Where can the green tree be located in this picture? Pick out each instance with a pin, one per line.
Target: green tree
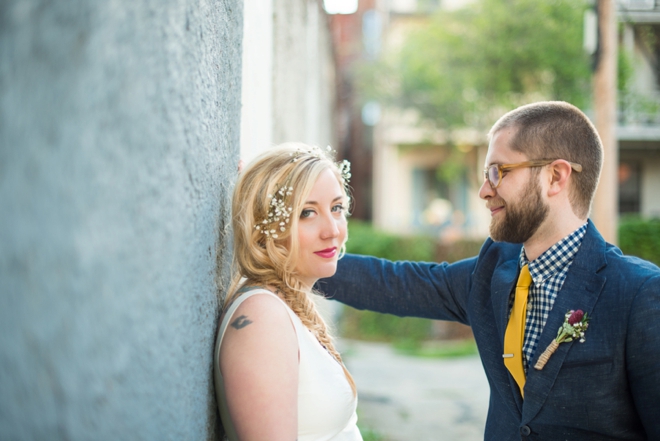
(465, 67)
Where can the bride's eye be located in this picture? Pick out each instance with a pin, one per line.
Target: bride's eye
(306, 213)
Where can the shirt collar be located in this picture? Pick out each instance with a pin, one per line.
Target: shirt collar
(555, 258)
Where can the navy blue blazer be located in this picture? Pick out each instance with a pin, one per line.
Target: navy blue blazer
(606, 388)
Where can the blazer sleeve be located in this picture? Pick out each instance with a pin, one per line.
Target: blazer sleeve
(643, 355)
(415, 289)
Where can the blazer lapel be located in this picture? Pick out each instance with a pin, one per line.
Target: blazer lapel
(580, 291)
(503, 282)
(504, 279)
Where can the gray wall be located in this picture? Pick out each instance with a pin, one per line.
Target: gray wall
(119, 136)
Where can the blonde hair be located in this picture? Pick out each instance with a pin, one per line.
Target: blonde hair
(265, 260)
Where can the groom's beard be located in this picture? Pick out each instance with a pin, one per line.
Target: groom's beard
(522, 218)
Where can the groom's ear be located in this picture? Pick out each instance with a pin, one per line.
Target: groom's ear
(560, 172)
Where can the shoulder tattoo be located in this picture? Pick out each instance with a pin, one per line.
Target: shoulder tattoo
(241, 322)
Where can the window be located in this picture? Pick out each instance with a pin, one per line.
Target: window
(629, 186)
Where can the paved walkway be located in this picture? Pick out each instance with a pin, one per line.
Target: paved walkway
(409, 398)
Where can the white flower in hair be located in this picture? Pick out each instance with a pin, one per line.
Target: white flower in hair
(345, 170)
(279, 212)
(316, 152)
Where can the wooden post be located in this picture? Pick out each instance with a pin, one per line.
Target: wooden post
(605, 209)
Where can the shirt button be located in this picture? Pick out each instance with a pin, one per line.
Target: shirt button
(525, 431)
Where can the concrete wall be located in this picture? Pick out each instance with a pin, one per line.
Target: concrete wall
(119, 135)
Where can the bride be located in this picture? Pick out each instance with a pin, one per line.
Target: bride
(278, 375)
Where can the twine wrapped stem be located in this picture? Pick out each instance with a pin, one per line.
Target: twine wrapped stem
(545, 356)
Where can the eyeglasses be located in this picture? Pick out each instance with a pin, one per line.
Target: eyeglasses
(495, 172)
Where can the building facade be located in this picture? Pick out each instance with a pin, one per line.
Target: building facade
(638, 129)
(288, 90)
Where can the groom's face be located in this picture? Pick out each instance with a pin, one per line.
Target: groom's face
(516, 205)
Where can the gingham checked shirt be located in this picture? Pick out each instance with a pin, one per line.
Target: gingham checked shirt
(548, 273)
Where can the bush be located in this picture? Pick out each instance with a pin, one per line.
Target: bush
(445, 349)
(640, 237)
(364, 239)
(373, 326)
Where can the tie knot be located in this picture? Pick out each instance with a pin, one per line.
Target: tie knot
(525, 278)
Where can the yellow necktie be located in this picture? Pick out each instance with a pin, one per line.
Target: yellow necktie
(514, 336)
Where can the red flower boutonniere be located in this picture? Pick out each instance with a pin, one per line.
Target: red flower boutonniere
(574, 326)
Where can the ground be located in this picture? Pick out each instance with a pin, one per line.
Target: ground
(403, 398)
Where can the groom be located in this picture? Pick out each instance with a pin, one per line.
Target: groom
(544, 258)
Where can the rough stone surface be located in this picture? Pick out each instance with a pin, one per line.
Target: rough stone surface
(119, 135)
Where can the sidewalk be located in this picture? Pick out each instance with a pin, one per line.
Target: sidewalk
(409, 398)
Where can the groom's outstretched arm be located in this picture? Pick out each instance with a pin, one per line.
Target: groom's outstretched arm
(418, 289)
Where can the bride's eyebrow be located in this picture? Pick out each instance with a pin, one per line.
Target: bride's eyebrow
(338, 198)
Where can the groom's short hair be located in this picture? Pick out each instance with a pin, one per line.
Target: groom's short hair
(558, 130)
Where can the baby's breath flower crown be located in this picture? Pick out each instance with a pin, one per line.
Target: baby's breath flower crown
(279, 213)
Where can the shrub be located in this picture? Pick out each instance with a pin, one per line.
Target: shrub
(373, 326)
(364, 239)
(640, 237)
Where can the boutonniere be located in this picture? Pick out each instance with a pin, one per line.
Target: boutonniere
(574, 326)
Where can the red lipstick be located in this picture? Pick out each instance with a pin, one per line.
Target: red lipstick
(327, 253)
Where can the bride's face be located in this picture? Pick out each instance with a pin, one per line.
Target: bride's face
(321, 229)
